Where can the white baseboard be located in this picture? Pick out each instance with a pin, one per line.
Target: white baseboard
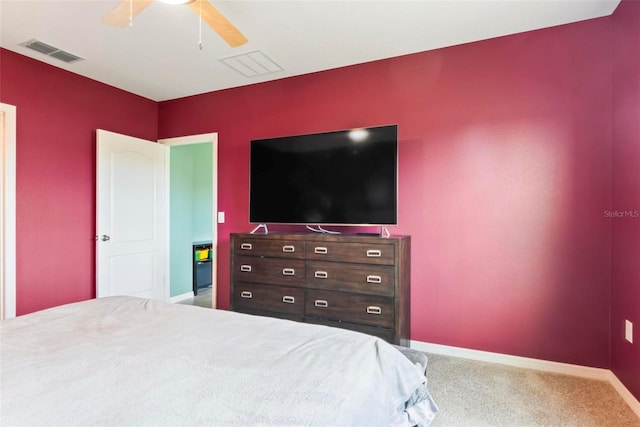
(517, 361)
(624, 393)
(182, 297)
(536, 364)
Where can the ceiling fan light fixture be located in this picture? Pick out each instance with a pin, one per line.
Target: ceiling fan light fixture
(175, 2)
(126, 10)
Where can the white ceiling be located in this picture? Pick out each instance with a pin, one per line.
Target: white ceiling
(158, 57)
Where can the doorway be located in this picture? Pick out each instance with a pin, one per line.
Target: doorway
(193, 195)
(7, 211)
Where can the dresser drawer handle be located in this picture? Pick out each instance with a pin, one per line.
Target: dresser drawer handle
(321, 303)
(245, 268)
(320, 274)
(374, 279)
(374, 253)
(288, 299)
(288, 248)
(246, 294)
(246, 246)
(288, 272)
(372, 309)
(320, 250)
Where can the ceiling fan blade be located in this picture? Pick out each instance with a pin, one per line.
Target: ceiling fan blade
(218, 22)
(123, 13)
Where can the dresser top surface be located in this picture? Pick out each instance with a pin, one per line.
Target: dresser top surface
(354, 238)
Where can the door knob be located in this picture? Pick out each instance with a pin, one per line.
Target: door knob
(104, 238)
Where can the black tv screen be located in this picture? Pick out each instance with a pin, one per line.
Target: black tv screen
(346, 177)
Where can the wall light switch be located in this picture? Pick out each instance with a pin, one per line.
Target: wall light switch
(220, 217)
(628, 331)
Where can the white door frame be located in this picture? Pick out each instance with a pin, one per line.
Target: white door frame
(8, 210)
(198, 139)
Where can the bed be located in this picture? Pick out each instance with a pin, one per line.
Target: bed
(125, 361)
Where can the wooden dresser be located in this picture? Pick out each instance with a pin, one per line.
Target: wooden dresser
(354, 282)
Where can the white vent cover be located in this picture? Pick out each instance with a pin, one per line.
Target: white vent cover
(49, 50)
(252, 64)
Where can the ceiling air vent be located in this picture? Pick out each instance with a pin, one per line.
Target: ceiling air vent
(252, 64)
(49, 50)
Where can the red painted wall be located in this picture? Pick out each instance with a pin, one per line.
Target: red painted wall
(58, 113)
(505, 171)
(625, 296)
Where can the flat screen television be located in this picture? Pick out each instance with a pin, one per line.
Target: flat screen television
(345, 177)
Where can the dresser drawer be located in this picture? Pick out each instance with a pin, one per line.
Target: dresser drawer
(278, 248)
(360, 278)
(384, 333)
(281, 299)
(364, 253)
(263, 313)
(276, 271)
(354, 308)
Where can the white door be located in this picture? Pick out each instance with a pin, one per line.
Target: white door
(131, 217)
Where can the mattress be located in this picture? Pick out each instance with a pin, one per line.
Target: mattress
(418, 358)
(135, 362)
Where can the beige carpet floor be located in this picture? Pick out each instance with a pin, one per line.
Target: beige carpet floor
(472, 393)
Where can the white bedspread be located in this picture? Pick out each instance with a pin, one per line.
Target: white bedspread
(122, 361)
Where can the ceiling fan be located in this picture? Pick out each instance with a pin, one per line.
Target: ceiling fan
(126, 10)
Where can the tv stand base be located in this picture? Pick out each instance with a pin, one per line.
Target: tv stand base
(255, 230)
